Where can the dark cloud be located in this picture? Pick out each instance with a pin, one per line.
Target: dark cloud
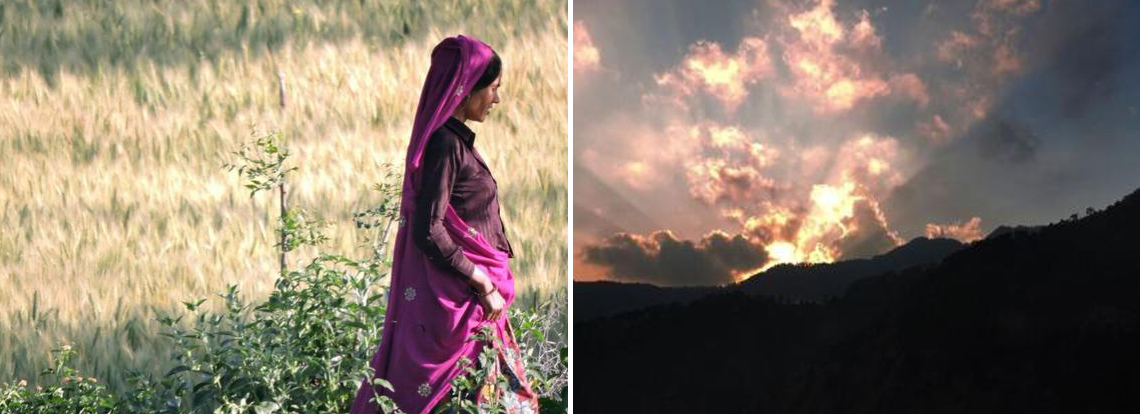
(1088, 66)
(1086, 46)
(1054, 140)
(868, 235)
(1006, 140)
(663, 259)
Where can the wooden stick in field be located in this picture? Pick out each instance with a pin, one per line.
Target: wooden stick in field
(281, 185)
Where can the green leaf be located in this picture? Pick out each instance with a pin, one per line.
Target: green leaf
(266, 407)
(177, 369)
(204, 396)
(383, 383)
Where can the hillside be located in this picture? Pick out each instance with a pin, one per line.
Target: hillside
(1043, 321)
(811, 282)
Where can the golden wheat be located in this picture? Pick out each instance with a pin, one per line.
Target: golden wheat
(114, 204)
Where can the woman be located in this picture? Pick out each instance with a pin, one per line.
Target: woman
(450, 275)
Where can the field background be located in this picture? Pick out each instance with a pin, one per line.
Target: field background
(117, 117)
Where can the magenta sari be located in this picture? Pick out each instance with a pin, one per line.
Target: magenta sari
(433, 315)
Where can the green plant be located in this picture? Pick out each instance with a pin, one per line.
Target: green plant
(262, 163)
(540, 332)
(304, 349)
(71, 393)
(467, 385)
(112, 178)
(536, 330)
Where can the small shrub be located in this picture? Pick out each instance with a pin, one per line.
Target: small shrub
(71, 393)
(307, 348)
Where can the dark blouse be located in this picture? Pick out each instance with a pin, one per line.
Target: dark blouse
(455, 174)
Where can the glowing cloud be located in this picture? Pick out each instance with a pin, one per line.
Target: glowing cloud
(802, 221)
(716, 181)
(965, 232)
(863, 34)
(658, 153)
(838, 218)
(727, 165)
(800, 158)
(832, 203)
(639, 174)
(1019, 7)
(724, 76)
(825, 222)
(840, 224)
(950, 49)
(871, 162)
(727, 137)
(936, 129)
(818, 26)
(832, 81)
(1005, 60)
(911, 86)
(586, 56)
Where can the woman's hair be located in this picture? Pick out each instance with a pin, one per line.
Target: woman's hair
(490, 74)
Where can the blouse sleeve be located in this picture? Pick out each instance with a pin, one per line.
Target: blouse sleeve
(442, 160)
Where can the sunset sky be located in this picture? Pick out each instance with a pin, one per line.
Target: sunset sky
(711, 142)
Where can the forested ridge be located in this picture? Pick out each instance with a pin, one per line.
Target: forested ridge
(1041, 320)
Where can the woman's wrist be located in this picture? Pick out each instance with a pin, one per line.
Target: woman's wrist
(481, 284)
(489, 292)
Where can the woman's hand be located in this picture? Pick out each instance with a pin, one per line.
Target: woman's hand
(493, 306)
(493, 303)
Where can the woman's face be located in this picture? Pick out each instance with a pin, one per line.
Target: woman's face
(479, 103)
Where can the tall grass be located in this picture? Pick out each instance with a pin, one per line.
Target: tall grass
(116, 117)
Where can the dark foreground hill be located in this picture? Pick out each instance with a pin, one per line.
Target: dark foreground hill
(597, 299)
(1041, 321)
(811, 282)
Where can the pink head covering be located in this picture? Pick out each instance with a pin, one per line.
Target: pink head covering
(456, 64)
(432, 314)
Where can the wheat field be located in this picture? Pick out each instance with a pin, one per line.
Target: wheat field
(116, 119)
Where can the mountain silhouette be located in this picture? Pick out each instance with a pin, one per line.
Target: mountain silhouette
(823, 280)
(1003, 230)
(604, 298)
(1023, 321)
(812, 282)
